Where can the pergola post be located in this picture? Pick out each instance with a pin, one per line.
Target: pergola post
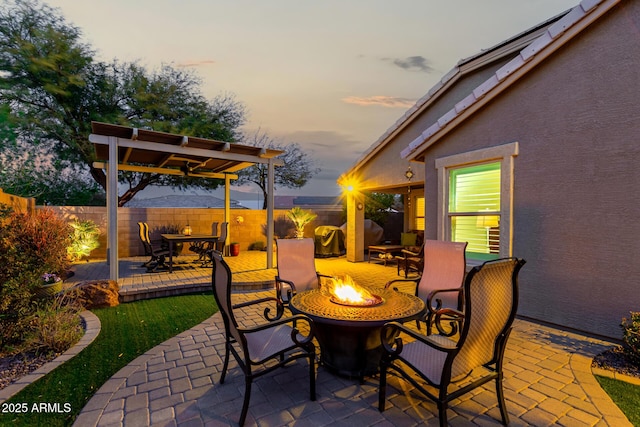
(112, 208)
(147, 151)
(227, 212)
(355, 226)
(270, 203)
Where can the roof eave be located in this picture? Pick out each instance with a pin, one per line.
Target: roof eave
(556, 36)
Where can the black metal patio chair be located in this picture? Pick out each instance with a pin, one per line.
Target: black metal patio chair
(156, 254)
(277, 340)
(491, 301)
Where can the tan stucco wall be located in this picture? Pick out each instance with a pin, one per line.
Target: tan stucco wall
(19, 204)
(386, 168)
(576, 208)
(246, 232)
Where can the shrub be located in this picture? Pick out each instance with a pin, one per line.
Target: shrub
(282, 228)
(84, 240)
(300, 218)
(16, 305)
(34, 242)
(631, 337)
(30, 246)
(55, 325)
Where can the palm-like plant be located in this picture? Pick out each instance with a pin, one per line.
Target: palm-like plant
(300, 218)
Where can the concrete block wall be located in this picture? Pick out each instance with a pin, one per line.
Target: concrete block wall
(245, 225)
(19, 204)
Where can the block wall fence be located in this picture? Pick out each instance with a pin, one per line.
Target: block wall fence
(19, 204)
(245, 225)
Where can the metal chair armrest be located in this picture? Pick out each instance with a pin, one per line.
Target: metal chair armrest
(282, 321)
(409, 253)
(395, 329)
(434, 293)
(267, 310)
(391, 282)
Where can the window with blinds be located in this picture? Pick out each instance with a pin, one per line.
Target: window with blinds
(418, 213)
(474, 207)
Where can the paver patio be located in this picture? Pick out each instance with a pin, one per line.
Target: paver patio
(548, 378)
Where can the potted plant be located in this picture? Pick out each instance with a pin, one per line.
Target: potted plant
(300, 218)
(51, 285)
(234, 249)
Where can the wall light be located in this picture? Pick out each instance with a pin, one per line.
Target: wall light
(409, 173)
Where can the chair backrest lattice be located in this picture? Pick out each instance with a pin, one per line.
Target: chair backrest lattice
(444, 268)
(491, 302)
(296, 262)
(222, 293)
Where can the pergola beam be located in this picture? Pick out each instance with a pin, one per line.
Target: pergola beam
(176, 149)
(164, 171)
(173, 149)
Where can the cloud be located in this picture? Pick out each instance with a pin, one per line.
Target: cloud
(381, 100)
(412, 63)
(196, 63)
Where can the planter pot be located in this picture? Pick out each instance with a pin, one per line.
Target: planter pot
(234, 249)
(49, 290)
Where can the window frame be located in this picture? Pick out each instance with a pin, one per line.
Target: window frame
(418, 213)
(505, 154)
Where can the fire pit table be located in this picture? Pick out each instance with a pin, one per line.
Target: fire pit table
(349, 336)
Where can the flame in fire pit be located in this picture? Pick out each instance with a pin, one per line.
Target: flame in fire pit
(343, 290)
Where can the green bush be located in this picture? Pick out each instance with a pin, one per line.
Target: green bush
(84, 239)
(30, 246)
(631, 337)
(35, 242)
(55, 325)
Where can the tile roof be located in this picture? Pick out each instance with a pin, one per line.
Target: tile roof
(556, 35)
(531, 42)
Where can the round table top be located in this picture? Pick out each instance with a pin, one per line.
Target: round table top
(396, 306)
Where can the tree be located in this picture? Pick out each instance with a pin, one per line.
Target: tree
(297, 170)
(376, 206)
(55, 88)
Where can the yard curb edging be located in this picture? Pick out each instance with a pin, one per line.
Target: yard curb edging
(615, 375)
(95, 407)
(581, 367)
(92, 326)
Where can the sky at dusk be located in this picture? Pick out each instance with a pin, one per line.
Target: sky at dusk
(331, 75)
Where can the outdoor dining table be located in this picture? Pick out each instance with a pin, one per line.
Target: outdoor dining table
(349, 336)
(172, 239)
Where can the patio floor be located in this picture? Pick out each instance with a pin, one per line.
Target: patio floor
(548, 378)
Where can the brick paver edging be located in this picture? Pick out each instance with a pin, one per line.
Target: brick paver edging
(91, 325)
(95, 408)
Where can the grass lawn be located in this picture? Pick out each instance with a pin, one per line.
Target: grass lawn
(128, 331)
(626, 396)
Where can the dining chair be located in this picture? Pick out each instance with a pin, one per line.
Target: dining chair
(410, 261)
(440, 284)
(218, 245)
(475, 358)
(157, 255)
(263, 347)
(222, 238)
(296, 268)
(201, 248)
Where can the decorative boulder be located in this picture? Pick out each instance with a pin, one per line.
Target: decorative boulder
(96, 294)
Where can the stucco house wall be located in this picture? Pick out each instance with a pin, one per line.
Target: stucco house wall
(575, 118)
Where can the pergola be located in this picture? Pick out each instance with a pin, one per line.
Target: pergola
(139, 150)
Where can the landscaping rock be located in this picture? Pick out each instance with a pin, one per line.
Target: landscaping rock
(96, 294)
